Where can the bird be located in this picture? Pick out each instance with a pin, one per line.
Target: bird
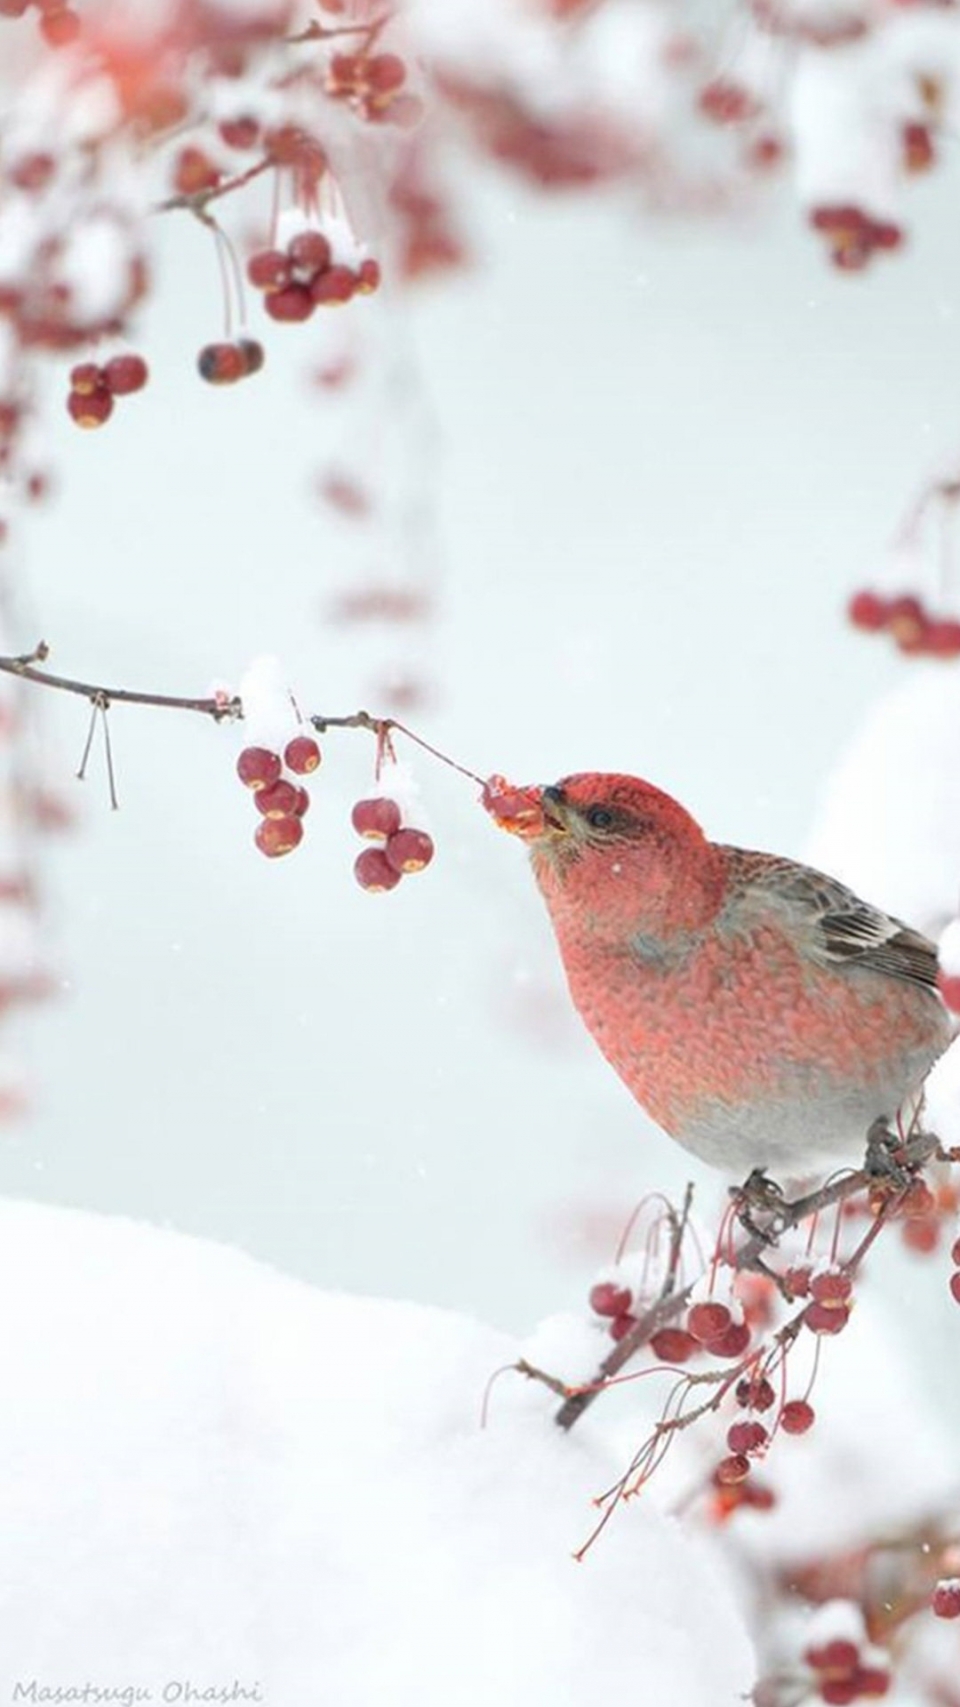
(763, 1015)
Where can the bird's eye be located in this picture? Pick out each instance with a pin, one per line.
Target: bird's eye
(599, 818)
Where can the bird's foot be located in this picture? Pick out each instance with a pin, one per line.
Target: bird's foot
(881, 1161)
(759, 1195)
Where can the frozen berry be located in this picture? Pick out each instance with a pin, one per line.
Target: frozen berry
(376, 819)
(124, 374)
(258, 767)
(277, 836)
(409, 850)
(301, 755)
(221, 364)
(90, 409)
(797, 1416)
(707, 1321)
(609, 1299)
(373, 870)
(278, 800)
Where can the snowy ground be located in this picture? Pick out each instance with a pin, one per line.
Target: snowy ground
(218, 1479)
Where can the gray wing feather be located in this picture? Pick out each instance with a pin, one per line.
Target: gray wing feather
(845, 928)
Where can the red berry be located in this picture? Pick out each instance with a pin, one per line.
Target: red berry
(955, 1252)
(707, 1321)
(918, 153)
(921, 1234)
(124, 374)
(278, 800)
(797, 1281)
(221, 364)
(194, 171)
(839, 1691)
(732, 1470)
(727, 102)
(252, 353)
(609, 1299)
(277, 836)
(269, 269)
(90, 409)
(746, 1437)
(291, 303)
(871, 1682)
(955, 1286)
(368, 277)
(336, 284)
(945, 1599)
(620, 1326)
(797, 1416)
(301, 755)
(943, 639)
(868, 610)
(240, 132)
(755, 1393)
(385, 71)
(309, 251)
(840, 1655)
(301, 805)
(906, 620)
(732, 1342)
(832, 1287)
(826, 1318)
(673, 1345)
(59, 28)
(258, 767)
(376, 819)
(86, 377)
(373, 870)
(949, 987)
(409, 850)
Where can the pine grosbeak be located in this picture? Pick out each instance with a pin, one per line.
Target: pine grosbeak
(758, 1010)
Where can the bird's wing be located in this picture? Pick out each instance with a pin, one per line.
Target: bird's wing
(843, 928)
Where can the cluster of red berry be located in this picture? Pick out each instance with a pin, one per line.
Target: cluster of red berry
(830, 1291)
(59, 25)
(710, 1326)
(226, 362)
(304, 276)
(280, 801)
(93, 388)
(402, 848)
(733, 1479)
(373, 85)
(945, 1599)
(854, 237)
(844, 1673)
(910, 626)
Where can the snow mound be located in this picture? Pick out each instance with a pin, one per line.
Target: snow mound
(222, 1485)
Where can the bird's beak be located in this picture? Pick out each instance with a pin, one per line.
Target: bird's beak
(532, 813)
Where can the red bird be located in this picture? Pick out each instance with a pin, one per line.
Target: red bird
(759, 1011)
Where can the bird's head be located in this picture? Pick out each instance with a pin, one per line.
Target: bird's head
(612, 852)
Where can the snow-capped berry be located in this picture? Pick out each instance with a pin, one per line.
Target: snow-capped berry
(277, 836)
(90, 409)
(945, 1600)
(826, 1318)
(309, 250)
(409, 850)
(376, 819)
(124, 374)
(707, 1321)
(258, 767)
(279, 800)
(373, 870)
(609, 1299)
(301, 755)
(797, 1416)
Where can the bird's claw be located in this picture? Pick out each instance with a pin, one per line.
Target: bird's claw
(758, 1195)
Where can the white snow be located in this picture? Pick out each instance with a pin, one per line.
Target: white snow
(219, 1478)
(942, 1097)
(269, 717)
(948, 949)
